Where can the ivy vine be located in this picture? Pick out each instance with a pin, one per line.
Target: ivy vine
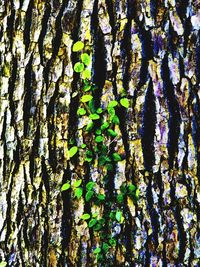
(99, 130)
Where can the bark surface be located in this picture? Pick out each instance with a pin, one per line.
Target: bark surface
(148, 51)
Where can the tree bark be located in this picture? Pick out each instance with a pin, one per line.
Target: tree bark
(147, 51)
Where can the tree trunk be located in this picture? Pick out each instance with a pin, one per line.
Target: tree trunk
(147, 51)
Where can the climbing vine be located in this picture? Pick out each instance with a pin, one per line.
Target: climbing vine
(100, 127)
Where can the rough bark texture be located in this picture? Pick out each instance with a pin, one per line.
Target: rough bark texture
(146, 50)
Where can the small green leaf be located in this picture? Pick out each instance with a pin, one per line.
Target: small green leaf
(111, 111)
(116, 157)
(90, 126)
(73, 150)
(99, 110)
(94, 116)
(98, 131)
(104, 126)
(101, 197)
(115, 119)
(85, 59)
(105, 247)
(131, 188)
(112, 104)
(85, 216)
(78, 67)
(86, 74)
(103, 160)
(99, 139)
(78, 46)
(3, 264)
(118, 216)
(123, 189)
(124, 102)
(102, 221)
(97, 250)
(109, 167)
(81, 111)
(120, 198)
(90, 185)
(65, 187)
(111, 133)
(97, 227)
(112, 215)
(112, 242)
(77, 183)
(78, 192)
(88, 159)
(94, 215)
(83, 146)
(92, 222)
(89, 195)
(86, 98)
(86, 88)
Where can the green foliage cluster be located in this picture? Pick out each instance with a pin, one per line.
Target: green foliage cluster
(99, 131)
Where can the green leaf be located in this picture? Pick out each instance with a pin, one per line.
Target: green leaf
(105, 247)
(97, 227)
(90, 185)
(123, 189)
(98, 131)
(88, 159)
(109, 167)
(85, 59)
(81, 111)
(99, 139)
(112, 242)
(118, 216)
(86, 88)
(102, 221)
(85, 216)
(131, 188)
(86, 74)
(86, 98)
(99, 110)
(111, 133)
(3, 264)
(104, 126)
(91, 106)
(65, 186)
(94, 116)
(120, 198)
(73, 150)
(101, 197)
(112, 104)
(78, 67)
(92, 222)
(97, 250)
(115, 119)
(94, 215)
(112, 215)
(78, 46)
(83, 146)
(124, 102)
(89, 195)
(90, 126)
(116, 157)
(111, 111)
(77, 183)
(78, 192)
(103, 159)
